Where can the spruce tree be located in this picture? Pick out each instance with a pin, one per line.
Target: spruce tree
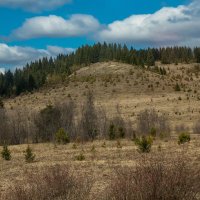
(150, 58)
(177, 88)
(112, 133)
(6, 154)
(29, 156)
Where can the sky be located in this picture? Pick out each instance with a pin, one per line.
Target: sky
(32, 29)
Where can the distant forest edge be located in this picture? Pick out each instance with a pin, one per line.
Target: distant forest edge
(35, 75)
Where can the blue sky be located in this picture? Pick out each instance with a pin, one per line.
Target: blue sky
(31, 29)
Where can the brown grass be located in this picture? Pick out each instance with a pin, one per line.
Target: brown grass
(102, 158)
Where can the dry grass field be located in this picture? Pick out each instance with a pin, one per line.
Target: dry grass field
(101, 160)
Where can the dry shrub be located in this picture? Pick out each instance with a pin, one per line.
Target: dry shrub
(3, 127)
(89, 119)
(53, 183)
(181, 128)
(196, 127)
(155, 178)
(149, 119)
(122, 127)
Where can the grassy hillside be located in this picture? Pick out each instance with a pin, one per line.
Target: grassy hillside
(131, 88)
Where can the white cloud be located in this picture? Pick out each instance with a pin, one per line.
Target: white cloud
(168, 26)
(34, 5)
(55, 50)
(16, 56)
(2, 70)
(55, 26)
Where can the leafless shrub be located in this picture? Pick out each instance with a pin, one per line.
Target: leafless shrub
(67, 111)
(52, 118)
(18, 125)
(149, 119)
(89, 119)
(196, 127)
(52, 183)
(47, 121)
(122, 125)
(181, 128)
(156, 177)
(103, 123)
(4, 136)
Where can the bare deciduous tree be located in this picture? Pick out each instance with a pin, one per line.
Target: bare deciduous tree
(149, 119)
(196, 127)
(4, 132)
(89, 118)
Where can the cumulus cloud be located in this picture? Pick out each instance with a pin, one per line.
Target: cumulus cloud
(34, 5)
(55, 26)
(167, 26)
(17, 56)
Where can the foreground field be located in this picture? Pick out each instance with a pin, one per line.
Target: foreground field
(101, 159)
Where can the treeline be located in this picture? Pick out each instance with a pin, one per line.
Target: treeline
(35, 74)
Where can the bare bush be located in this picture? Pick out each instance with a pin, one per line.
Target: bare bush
(181, 128)
(103, 123)
(89, 119)
(4, 131)
(67, 118)
(156, 177)
(18, 125)
(52, 183)
(149, 119)
(118, 127)
(196, 127)
(47, 121)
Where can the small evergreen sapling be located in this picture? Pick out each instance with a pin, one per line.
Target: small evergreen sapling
(144, 144)
(177, 88)
(80, 157)
(29, 156)
(121, 132)
(6, 154)
(183, 138)
(112, 133)
(62, 137)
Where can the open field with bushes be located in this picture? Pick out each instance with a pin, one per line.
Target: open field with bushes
(108, 131)
(99, 164)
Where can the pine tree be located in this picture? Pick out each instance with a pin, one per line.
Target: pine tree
(112, 133)
(177, 88)
(29, 156)
(6, 154)
(150, 58)
(62, 136)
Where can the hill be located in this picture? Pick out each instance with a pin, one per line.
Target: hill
(129, 87)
